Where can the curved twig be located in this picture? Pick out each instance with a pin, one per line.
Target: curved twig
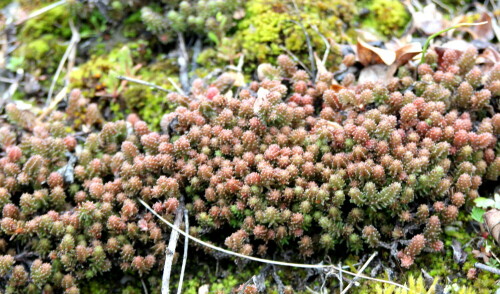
(75, 38)
(184, 258)
(266, 261)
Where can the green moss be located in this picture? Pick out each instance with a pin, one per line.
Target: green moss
(43, 41)
(388, 17)
(268, 26)
(53, 22)
(97, 78)
(4, 3)
(41, 55)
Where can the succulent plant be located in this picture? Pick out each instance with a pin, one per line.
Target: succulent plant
(286, 161)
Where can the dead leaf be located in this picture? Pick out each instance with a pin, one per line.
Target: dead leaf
(429, 20)
(492, 220)
(459, 45)
(484, 31)
(373, 73)
(319, 65)
(239, 79)
(407, 52)
(488, 59)
(459, 255)
(204, 289)
(261, 96)
(368, 54)
(336, 87)
(239, 14)
(481, 254)
(368, 36)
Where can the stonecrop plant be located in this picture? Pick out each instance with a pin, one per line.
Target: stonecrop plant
(211, 17)
(286, 164)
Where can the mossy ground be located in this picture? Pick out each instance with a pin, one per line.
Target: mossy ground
(260, 36)
(224, 276)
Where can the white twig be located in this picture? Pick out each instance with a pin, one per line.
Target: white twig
(41, 11)
(7, 80)
(144, 286)
(176, 86)
(169, 255)
(141, 82)
(359, 272)
(341, 282)
(183, 61)
(184, 258)
(296, 59)
(488, 268)
(261, 260)
(59, 97)
(327, 44)
(75, 38)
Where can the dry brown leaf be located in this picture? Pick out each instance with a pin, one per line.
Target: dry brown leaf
(460, 45)
(261, 95)
(368, 54)
(319, 65)
(367, 35)
(492, 220)
(373, 73)
(484, 31)
(429, 20)
(336, 88)
(407, 52)
(489, 55)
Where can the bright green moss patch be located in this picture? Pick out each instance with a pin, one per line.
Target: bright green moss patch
(271, 25)
(388, 17)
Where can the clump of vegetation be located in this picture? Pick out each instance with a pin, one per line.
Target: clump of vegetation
(44, 38)
(388, 17)
(99, 81)
(210, 18)
(285, 164)
(271, 26)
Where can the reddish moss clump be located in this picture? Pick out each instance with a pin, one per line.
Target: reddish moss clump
(286, 164)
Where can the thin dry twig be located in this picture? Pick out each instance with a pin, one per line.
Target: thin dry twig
(141, 82)
(359, 272)
(341, 282)
(41, 11)
(184, 258)
(281, 286)
(59, 97)
(183, 61)
(309, 47)
(308, 39)
(75, 38)
(5, 97)
(266, 261)
(177, 88)
(7, 80)
(296, 59)
(327, 44)
(144, 286)
(169, 256)
(488, 268)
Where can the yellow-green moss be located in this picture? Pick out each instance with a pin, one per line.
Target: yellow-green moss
(43, 41)
(388, 17)
(97, 79)
(53, 22)
(268, 26)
